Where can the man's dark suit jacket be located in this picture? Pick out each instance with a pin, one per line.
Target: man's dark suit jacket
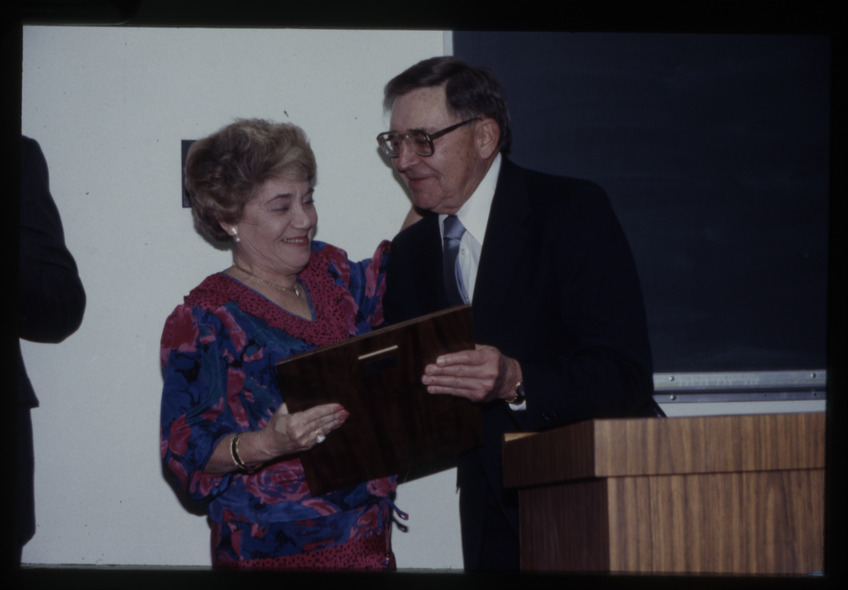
(556, 289)
(52, 304)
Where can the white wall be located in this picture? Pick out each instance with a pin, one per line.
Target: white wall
(109, 107)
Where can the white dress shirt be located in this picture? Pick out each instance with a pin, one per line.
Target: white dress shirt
(474, 215)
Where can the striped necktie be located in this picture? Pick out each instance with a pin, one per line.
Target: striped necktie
(453, 280)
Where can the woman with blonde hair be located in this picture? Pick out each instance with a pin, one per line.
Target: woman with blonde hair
(226, 433)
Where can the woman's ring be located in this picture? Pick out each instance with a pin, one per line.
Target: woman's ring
(320, 438)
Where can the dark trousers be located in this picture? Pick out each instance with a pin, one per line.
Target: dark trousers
(24, 495)
(489, 539)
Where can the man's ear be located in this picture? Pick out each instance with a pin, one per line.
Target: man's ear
(488, 136)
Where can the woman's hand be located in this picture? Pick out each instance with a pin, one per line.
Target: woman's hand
(284, 434)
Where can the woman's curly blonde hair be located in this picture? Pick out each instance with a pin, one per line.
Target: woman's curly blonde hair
(224, 170)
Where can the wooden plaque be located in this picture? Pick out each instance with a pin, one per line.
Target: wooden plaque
(395, 427)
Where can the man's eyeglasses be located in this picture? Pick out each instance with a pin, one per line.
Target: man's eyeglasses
(418, 140)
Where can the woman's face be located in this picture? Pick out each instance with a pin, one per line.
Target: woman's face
(276, 230)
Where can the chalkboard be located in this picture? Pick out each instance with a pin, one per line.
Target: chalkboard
(714, 150)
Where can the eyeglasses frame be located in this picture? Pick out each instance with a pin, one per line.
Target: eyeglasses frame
(382, 138)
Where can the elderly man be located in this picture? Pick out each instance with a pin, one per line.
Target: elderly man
(558, 314)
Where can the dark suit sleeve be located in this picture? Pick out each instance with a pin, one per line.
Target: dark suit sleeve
(414, 273)
(52, 298)
(591, 356)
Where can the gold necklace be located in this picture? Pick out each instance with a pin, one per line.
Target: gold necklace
(296, 289)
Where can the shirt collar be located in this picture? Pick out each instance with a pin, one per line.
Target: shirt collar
(474, 213)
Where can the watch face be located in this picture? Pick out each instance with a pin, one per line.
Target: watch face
(519, 394)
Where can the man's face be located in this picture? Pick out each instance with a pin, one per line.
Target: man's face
(444, 181)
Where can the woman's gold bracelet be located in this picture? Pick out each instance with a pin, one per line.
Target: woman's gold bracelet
(235, 454)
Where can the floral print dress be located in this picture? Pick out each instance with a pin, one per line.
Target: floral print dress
(218, 353)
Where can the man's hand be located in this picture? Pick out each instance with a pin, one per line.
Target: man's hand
(480, 375)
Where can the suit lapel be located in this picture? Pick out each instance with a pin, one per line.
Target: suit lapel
(507, 244)
(428, 271)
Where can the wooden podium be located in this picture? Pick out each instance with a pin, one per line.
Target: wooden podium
(712, 494)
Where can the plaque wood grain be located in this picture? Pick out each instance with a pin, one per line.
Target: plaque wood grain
(395, 427)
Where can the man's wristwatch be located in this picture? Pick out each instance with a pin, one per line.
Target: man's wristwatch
(518, 398)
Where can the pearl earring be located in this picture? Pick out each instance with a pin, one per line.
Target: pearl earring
(235, 235)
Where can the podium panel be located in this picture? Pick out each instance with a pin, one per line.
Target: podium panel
(714, 494)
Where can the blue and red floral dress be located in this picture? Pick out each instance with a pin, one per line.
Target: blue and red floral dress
(218, 352)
